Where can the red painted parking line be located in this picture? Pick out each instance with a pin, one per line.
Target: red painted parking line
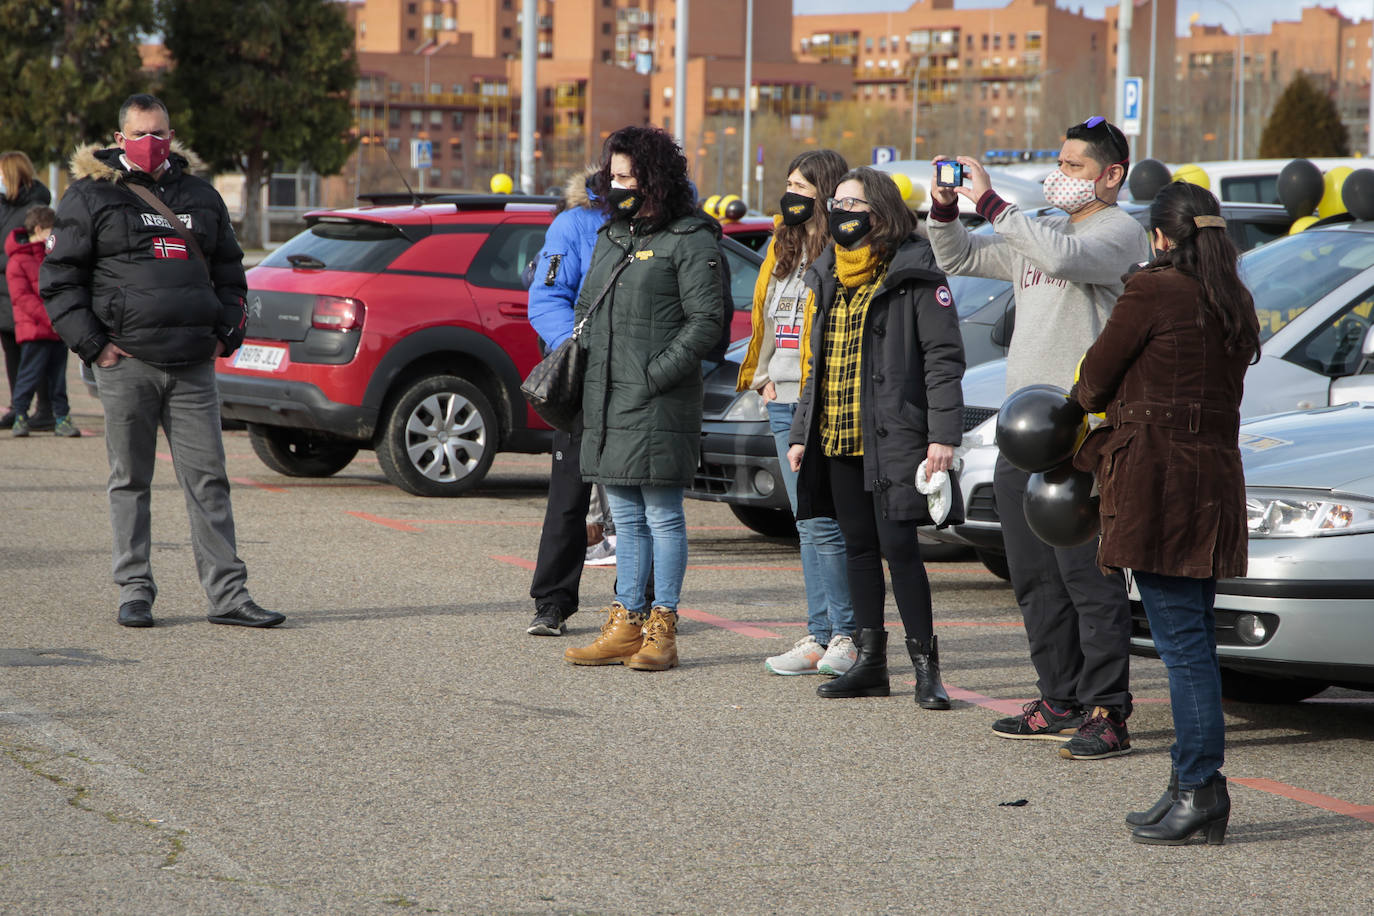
(733, 626)
(384, 522)
(516, 561)
(414, 524)
(246, 482)
(1005, 707)
(1315, 799)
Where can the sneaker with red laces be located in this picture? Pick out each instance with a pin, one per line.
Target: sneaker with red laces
(1039, 720)
(1103, 735)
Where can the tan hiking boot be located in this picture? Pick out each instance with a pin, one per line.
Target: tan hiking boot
(621, 637)
(660, 643)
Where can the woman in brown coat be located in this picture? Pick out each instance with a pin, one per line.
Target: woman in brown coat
(1168, 370)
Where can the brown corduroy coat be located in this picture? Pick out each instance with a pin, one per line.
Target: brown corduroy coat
(1167, 462)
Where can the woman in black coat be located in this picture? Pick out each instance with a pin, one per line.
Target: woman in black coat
(882, 395)
(20, 191)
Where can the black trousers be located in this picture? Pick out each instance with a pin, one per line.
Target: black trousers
(868, 537)
(10, 346)
(1078, 621)
(563, 542)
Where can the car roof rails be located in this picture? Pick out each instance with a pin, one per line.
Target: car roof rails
(461, 201)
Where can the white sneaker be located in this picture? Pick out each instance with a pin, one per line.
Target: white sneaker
(800, 659)
(602, 553)
(839, 656)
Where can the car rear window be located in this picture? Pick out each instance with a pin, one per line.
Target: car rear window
(356, 245)
(1287, 276)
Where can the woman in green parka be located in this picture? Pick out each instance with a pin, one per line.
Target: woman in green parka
(653, 309)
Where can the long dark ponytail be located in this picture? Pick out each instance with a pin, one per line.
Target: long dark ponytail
(1207, 254)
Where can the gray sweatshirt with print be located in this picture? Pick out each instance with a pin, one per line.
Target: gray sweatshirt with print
(1067, 277)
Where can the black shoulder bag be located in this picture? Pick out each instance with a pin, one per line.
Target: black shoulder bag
(554, 387)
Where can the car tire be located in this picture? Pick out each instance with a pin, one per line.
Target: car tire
(439, 437)
(296, 453)
(995, 563)
(1246, 687)
(773, 523)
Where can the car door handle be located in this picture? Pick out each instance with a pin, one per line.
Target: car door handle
(513, 309)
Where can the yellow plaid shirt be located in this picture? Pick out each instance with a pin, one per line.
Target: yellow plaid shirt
(842, 431)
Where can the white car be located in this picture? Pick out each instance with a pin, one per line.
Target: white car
(1314, 293)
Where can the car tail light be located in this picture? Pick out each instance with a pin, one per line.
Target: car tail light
(337, 313)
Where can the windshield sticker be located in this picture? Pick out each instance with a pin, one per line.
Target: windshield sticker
(1255, 443)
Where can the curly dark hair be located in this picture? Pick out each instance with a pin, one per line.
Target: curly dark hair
(796, 245)
(660, 170)
(892, 221)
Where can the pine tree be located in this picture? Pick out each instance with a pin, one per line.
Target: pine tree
(1304, 123)
(259, 83)
(69, 64)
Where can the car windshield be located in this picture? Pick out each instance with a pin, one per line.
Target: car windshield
(972, 293)
(1290, 274)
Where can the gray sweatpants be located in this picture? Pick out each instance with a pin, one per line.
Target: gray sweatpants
(184, 402)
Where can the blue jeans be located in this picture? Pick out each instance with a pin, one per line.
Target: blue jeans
(829, 609)
(650, 533)
(1183, 625)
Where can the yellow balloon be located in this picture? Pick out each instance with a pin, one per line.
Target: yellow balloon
(710, 205)
(1300, 224)
(722, 204)
(501, 183)
(1193, 174)
(903, 184)
(1331, 202)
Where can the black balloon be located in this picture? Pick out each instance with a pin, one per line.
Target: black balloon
(1038, 427)
(1061, 507)
(736, 210)
(1300, 188)
(1358, 193)
(1148, 178)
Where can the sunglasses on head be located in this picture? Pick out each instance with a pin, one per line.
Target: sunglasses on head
(1102, 126)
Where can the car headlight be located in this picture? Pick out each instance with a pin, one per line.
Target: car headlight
(984, 433)
(748, 407)
(1305, 514)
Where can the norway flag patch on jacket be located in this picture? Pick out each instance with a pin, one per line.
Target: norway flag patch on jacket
(170, 248)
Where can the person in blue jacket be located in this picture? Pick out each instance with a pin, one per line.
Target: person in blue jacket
(557, 279)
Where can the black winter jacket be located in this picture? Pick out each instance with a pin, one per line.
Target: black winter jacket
(12, 214)
(116, 272)
(913, 370)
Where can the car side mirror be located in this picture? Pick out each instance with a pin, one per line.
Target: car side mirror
(1002, 329)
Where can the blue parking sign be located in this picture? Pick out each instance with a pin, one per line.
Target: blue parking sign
(884, 154)
(1132, 88)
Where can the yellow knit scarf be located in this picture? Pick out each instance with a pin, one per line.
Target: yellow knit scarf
(857, 267)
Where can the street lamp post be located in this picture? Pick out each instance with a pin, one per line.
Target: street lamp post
(915, 102)
(1238, 141)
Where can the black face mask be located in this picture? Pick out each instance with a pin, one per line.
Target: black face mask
(848, 228)
(796, 208)
(625, 202)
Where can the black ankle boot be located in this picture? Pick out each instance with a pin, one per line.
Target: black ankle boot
(1205, 808)
(868, 675)
(925, 658)
(1160, 808)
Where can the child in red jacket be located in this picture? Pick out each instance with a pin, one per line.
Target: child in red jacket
(42, 355)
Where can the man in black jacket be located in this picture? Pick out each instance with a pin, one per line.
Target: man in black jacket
(132, 295)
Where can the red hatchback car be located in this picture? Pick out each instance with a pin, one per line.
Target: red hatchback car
(402, 329)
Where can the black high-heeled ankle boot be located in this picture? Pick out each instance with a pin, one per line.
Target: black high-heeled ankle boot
(925, 658)
(868, 675)
(1204, 808)
(1160, 808)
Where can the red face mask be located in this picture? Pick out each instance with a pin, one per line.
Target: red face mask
(148, 153)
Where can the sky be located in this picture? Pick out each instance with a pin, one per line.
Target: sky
(1258, 13)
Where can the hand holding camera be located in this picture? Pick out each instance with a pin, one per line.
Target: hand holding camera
(959, 175)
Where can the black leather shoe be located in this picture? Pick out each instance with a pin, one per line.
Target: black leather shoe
(925, 658)
(1160, 808)
(249, 615)
(137, 613)
(1206, 809)
(867, 677)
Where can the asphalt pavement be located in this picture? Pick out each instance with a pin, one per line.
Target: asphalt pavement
(400, 744)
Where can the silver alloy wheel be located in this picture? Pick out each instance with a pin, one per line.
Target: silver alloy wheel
(445, 437)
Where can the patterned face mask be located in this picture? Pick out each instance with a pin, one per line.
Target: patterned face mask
(1069, 194)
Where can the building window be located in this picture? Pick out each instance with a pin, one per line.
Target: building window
(410, 8)
(997, 41)
(1032, 41)
(868, 44)
(436, 118)
(416, 118)
(436, 88)
(410, 34)
(605, 28)
(882, 44)
(457, 120)
(414, 88)
(969, 43)
(985, 41)
(1011, 41)
(394, 118)
(505, 33)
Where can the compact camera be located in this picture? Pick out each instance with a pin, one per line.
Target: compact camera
(948, 173)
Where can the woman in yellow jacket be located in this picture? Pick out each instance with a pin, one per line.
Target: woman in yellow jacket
(774, 366)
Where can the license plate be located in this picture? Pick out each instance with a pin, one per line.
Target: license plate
(261, 359)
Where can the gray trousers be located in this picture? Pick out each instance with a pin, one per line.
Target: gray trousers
(1078, 621)
(184, 401)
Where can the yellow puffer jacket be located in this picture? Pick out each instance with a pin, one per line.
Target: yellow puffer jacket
(758, 319)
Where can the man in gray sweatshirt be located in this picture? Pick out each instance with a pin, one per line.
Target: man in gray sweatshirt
(1067, 270)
